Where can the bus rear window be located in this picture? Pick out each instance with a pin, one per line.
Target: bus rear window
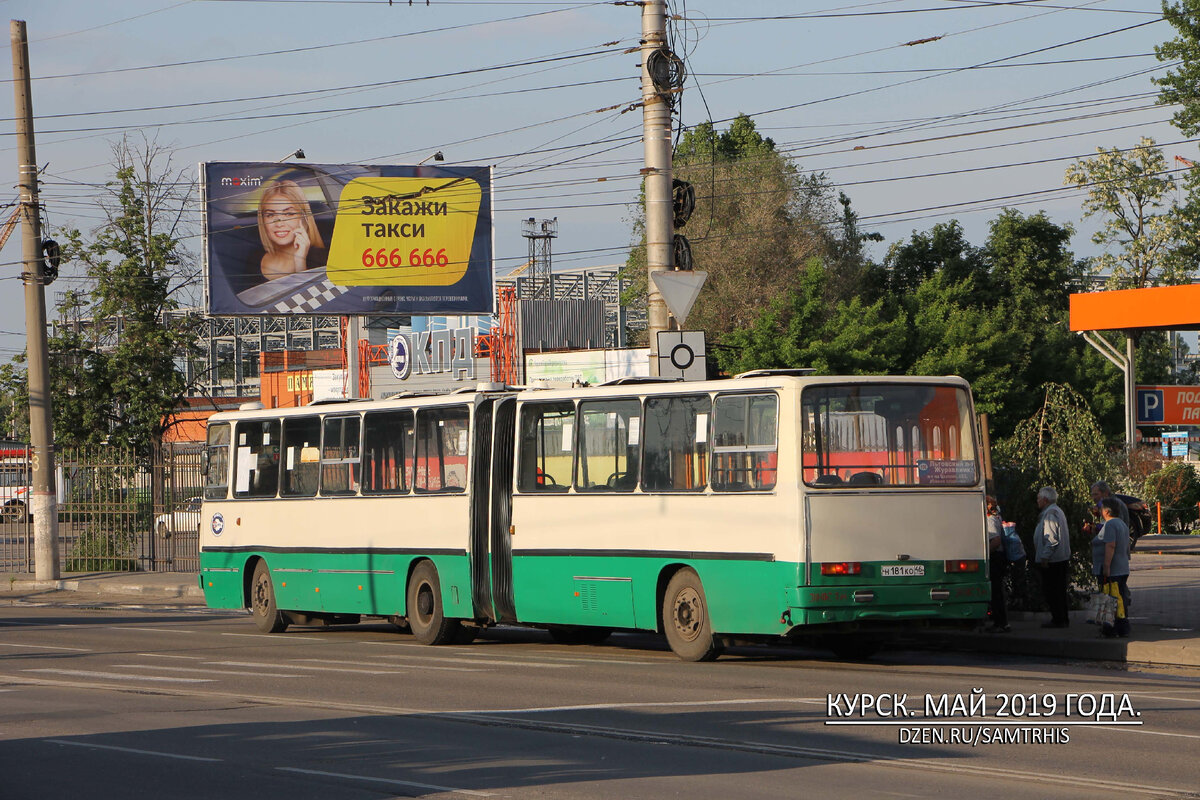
(888, 434)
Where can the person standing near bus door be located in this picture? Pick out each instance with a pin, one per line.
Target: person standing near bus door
(997, 568)
(1052, 541)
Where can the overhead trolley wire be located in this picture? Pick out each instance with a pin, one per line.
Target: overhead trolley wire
(304, 49)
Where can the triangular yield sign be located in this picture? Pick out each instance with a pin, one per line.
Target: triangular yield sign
(679, 289)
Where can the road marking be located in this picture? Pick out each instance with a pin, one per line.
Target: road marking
(820, 754)
(130, 750)
(290, 665)
(166, 655)
(421, 666)
(655, 704)
(205, 671)
(1152, 733)
(389, 781)
(46, 647)
(117, 675)
(1164, 697)
(568, 659)
(276, 636)
(500, 662)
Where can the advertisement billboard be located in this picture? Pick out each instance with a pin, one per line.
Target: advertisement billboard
(289, 238)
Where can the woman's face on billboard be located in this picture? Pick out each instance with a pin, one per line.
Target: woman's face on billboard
(282, 219)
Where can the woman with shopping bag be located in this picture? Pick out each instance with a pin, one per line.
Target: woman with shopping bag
(1110, 564)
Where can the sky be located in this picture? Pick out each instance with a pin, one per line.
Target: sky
(922, 111)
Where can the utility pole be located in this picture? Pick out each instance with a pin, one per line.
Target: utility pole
(656, 138)
(41, 437)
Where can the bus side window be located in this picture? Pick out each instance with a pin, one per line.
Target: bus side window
(609, 441)
(256, 459)
(676, 452)
(745, 449)
(339, 456)
(388, 452)
(216, 470)
(442, 443)
(302, 451)
(547, 443)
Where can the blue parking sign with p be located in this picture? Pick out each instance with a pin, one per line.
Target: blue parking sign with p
(1149, 405)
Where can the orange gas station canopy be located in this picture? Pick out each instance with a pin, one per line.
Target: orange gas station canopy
(1174, 308)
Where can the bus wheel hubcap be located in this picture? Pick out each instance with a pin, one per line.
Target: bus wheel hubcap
(688, 614)
(425, 601)
(260, 597)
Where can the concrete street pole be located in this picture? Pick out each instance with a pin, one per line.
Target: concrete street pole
(656, 137)
(41, 437)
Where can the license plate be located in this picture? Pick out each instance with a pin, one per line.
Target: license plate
(902, 570)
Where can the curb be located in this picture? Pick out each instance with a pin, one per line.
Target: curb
(1176, 653)
(188, 591)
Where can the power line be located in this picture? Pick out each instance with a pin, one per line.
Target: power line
(305, 49)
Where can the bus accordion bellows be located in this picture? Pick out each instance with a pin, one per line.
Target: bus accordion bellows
(770, 507)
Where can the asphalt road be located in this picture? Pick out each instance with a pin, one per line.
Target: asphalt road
(191, 703)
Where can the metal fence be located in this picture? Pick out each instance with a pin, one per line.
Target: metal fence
(117, 512)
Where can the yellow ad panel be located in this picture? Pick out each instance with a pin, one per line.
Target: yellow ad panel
(404, 231)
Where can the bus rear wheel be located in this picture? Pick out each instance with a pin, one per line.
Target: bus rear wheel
(267, 616)
(685, 618)
(426, 616)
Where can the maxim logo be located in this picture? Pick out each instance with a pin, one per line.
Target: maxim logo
(246, 181)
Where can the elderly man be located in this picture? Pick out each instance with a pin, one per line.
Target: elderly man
(1052, 542)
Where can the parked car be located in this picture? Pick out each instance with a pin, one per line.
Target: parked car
(184, 519)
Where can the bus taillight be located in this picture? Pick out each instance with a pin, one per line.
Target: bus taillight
(841, 568)
(968, 565)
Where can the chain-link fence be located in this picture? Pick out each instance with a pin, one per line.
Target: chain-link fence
(116, 512)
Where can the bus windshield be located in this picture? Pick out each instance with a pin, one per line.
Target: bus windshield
(888, 434)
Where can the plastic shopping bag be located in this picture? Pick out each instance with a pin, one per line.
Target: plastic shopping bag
(1103, 607)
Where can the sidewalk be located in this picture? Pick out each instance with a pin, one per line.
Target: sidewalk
(114, 587)
(1165, 613)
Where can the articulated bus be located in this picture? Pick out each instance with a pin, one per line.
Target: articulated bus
(769, 507)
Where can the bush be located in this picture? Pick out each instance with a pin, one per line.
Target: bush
(1177, 487)
(97, 550)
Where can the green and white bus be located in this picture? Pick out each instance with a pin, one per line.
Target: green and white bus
(771, 506)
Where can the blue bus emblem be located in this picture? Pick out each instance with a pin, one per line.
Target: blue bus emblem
(218, 524)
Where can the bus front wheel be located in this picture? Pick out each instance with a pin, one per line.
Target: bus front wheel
(426, 616)
(267, 615)
(685, 618)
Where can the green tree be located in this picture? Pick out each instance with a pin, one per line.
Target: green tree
(1141, 229)
(114, 360)
(801, 329)
(951, 334)
(1180, 87)
(1061, 446)
(758, 220)
(14, 400)
(943, 250)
